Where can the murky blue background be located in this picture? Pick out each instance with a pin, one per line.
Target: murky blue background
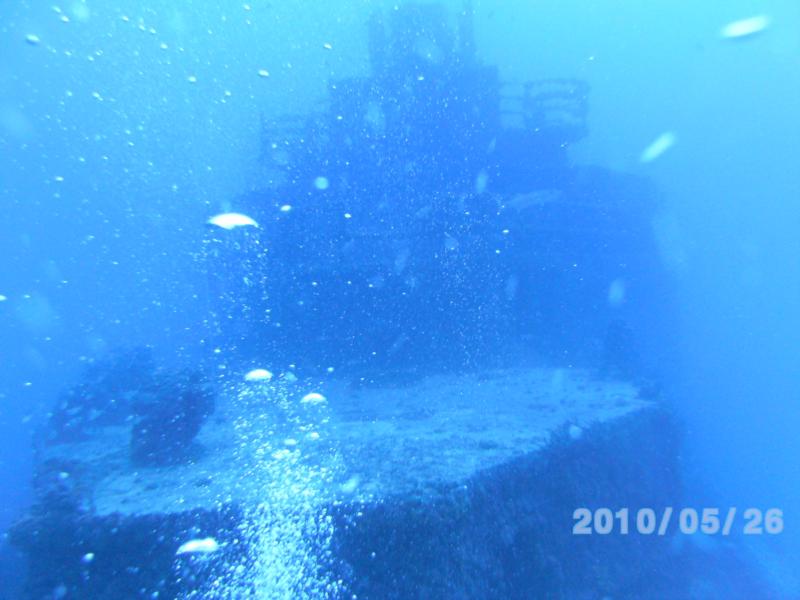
(130, 123)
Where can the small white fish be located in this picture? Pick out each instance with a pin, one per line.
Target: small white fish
(745, 27)
(258, 375)
(313, 398)
(231, 221)
(201, 546)
(3, 298)
(350, 486)
(32, 39)
(661, 144)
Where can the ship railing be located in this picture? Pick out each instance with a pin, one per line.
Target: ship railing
(546, 104)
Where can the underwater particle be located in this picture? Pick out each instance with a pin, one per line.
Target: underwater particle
(313, 398)
(231, 221)
(745, 27)
(290, 377)
(286, 208)
(63, 476)
(450, 243)
(80, 11)
(258, 375)
(163, 46)
(192, 79)
(616, 293)
(401, 261)
(575, 432)
(511, 288)
(313, 435)
(327, 46)
(263, 73)
(290, 442)
(660, 145)
(87, 558)
(3, 298)
(33, 39)
(376, 282)
(350, 486)
(321, 183)
(199, 546)
(481, 181)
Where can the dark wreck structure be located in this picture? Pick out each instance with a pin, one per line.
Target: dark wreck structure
(429, 216)
(428, 226)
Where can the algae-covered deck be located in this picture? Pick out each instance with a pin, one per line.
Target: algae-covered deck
(371, 442)
(459, 485)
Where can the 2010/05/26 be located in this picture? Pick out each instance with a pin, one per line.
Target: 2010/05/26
(708, 521)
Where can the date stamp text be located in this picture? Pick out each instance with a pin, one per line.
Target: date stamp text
(686, 521)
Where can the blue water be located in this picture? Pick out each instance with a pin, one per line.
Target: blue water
(125, 125)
